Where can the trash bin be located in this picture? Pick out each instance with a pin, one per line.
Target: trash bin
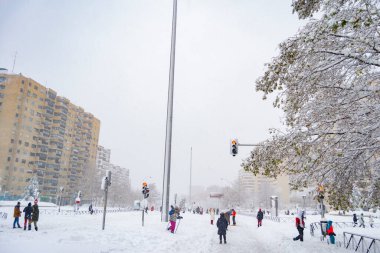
(323, 229)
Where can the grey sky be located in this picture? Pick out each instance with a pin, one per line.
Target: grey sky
(112, 58)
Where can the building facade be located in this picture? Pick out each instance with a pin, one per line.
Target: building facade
(45, 136)
(120, 180)
(257, 190)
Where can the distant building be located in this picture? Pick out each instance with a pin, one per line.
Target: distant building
(45, 136)
(120, 184)
(256, 190)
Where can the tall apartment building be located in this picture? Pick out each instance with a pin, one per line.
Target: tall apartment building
(258, 189)
(45, 136)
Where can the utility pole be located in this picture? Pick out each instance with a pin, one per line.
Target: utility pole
(106, 182)
(191, 165)
(169, 122)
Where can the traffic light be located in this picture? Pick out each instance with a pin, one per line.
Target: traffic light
(234, 147)
(145, 190)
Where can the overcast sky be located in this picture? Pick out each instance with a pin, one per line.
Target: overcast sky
(112, 58)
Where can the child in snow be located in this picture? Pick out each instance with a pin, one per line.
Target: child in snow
(173, 219)
(361, 220)
(355, 219)
(16, 215)
(330, 231)
(28, 216)
(260, 216)
(300, 224)
(212, 215)
(222, 225)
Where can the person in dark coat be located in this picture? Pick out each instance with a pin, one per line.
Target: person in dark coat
(260, 216)
(90, 209)
(35, 214)
(17, 215)
(28, 216)
(222, 225)
(355, 219)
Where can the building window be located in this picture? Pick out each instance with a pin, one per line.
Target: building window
(1, 95)
(16, 160)
(12, 140)
(16, 115)
(10, 150)
(23, 161)
(22, 81)
(26, 144)
(2, 86)
(9, 159)
(21, 90)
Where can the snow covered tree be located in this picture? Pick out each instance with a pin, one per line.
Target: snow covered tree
(327, 81)
(32, 190)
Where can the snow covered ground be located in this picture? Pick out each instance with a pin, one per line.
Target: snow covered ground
(124, 233)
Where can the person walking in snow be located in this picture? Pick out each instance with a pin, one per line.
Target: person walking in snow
(355, 219)
(35, 214)
(300, 224)
(28, 216)
(330, 232)
(227, 217)
(16, 215)
(371, 221)
(212, 215)
(260, 217)
(361, 221)
(222, 225)
(233, 213)
(172, 218)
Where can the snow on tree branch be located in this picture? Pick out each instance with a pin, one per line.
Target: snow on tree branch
(327, 81)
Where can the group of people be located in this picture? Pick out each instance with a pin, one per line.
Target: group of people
(31, 215)
(361, 220)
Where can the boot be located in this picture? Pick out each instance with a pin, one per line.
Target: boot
(36, 228)
(24, 227)
(225, 241)
(220, 242)
(29, 227)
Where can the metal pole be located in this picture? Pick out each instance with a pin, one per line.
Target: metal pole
(169, 121)
(105, 203)
(143, 217)
(191, 165)
(60, 200)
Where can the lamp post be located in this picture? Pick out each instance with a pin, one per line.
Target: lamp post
(169, 122)
(304, 202)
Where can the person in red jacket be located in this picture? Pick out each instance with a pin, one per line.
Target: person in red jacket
(300, 224)
(330, 232)
(233, 217)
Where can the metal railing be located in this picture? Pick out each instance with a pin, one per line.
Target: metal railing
(82, 212)
(317, 226)
(361, 243)
(272, 218)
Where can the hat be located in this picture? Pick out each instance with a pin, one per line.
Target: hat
(35, 201)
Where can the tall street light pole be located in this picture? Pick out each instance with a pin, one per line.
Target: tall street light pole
(191, 165)
(169, 122)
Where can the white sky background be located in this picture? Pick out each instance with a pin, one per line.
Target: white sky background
(112, 59)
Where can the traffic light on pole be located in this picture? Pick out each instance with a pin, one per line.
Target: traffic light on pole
(145, 190)
(234, 147)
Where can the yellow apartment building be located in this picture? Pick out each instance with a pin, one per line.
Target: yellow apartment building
(45, 136)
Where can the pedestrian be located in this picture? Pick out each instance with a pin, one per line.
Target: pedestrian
(233, 213)
(227, 217)
(300, 224)
(222, 225)
(260, 217)
(361, 220)
(90, 209)
(330, 232)
(212, 215)
(355, 219)
(16, 215)
(217, 211)
(173, 218)
(146, 209)
(28, 216)
(152, 208)
(35, 214)
(371, 221)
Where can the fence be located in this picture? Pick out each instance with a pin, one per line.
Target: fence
(361, 243)
(72, 212)
(317, 226)
(272, 218)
